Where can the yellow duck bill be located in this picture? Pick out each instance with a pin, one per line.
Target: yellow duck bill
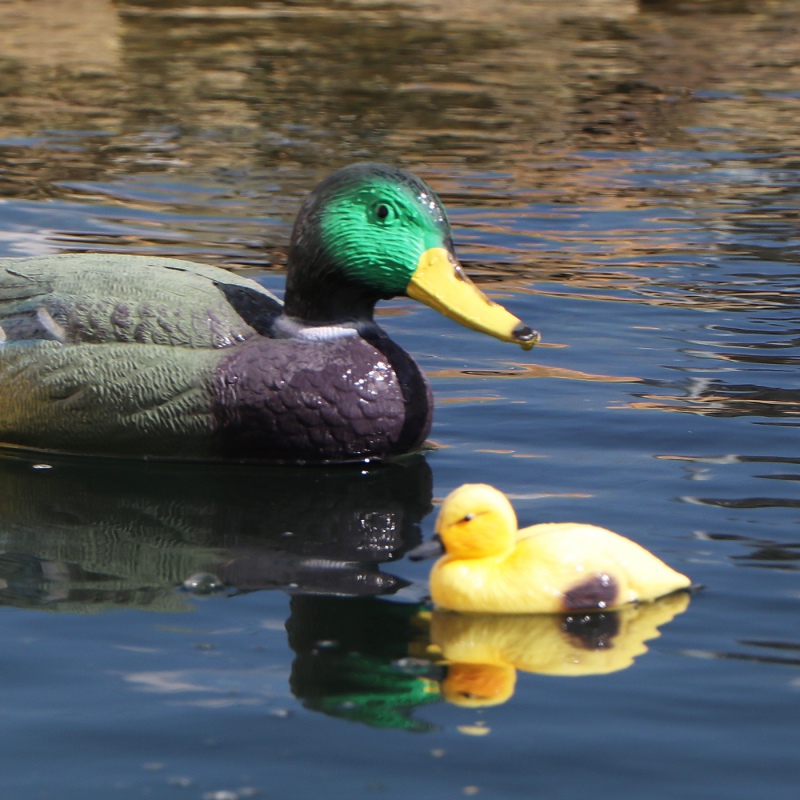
(440, 282)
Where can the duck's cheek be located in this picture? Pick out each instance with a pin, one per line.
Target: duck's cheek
(598, 591)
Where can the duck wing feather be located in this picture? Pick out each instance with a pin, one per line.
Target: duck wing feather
(97, 299)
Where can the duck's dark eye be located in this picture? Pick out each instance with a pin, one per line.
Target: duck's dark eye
(468, 518)
(384, 212)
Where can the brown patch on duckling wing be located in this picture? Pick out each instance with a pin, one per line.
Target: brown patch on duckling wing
(599, 591)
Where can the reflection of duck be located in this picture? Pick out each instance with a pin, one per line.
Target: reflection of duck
(349, 660)
(89, 534)
(130, 355)
(490, 566)
(483, 652)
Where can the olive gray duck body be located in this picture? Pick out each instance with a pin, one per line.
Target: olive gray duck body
(155, 357)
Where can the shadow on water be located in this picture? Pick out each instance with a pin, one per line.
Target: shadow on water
(83, 535)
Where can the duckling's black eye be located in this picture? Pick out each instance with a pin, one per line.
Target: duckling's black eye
(382, 211)
(468, 518)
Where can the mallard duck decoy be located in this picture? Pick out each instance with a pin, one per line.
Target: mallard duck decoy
(139, 356)
(489, 566)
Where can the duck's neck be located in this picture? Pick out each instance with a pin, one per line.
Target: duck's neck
(319, 295)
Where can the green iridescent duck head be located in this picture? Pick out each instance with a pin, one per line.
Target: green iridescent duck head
(369, 232)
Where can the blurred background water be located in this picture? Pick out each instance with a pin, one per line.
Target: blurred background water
(624, 176)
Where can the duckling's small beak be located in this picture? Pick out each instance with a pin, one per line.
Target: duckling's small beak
(440, 282)
(429, 549)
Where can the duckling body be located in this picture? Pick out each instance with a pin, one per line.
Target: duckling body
(489, 566)
(139, 356)
(556, 567)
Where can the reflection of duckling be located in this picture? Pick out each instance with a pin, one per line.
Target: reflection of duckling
(478, 685)
(490, 566)
(484, 651)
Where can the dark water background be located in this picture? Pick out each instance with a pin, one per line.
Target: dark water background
(624, 176)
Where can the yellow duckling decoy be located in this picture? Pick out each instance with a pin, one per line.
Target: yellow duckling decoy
(489, 566)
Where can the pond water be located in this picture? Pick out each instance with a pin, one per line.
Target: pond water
(624, 176)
